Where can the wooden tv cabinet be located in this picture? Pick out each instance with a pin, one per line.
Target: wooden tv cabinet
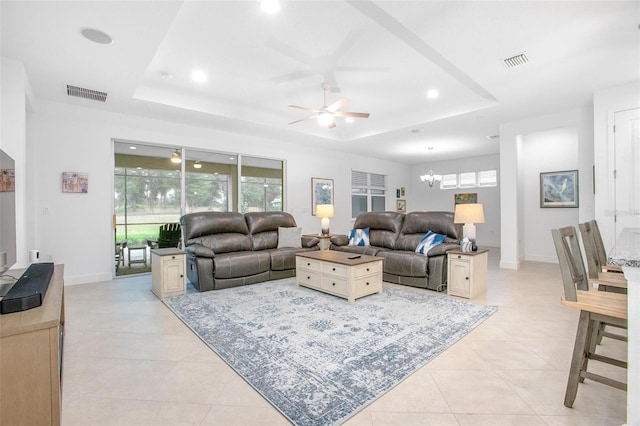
(31, 360)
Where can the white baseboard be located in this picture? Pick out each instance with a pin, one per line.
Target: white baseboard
(509, 265)
(87, 278)
(544, 259)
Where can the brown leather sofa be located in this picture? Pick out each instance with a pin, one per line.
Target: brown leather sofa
(226, 249)
(395, 236)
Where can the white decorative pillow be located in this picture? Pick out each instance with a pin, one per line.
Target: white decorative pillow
(429, 241)
(359, 237)
(289, 237)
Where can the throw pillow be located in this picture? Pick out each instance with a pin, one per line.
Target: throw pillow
(289, 237)
(429, 241)
(359, 237)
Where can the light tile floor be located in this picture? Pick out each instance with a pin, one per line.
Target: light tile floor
(129, 361)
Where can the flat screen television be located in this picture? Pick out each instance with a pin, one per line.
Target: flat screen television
(7, 212)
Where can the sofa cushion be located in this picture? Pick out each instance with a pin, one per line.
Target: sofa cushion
(405, 263)
(383, 227)
(417, 224)
(284, 259)
(289, 237)
(268, 221)
(241, 264)
(196, 225)
(359, 237)
(224, 243)
(430, 240)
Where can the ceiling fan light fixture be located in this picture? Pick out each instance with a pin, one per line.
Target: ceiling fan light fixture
(197, 165)
(325, 118)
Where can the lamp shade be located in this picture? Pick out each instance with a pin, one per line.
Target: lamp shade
(324, 210)
(469, 213)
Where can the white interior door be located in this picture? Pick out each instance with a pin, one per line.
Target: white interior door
(627, 169)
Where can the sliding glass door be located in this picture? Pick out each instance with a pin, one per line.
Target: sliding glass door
(148, 192)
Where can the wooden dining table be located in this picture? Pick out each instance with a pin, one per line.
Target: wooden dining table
(626, 253)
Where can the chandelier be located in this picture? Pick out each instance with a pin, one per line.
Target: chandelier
(430, 178)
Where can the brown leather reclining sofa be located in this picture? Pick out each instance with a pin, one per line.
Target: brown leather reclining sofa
(395, 236)
(227, 249)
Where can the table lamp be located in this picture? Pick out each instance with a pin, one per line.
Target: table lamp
(325, 211)
(469, 214)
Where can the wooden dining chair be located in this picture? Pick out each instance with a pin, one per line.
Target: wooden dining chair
(596, 307)
(594, 252)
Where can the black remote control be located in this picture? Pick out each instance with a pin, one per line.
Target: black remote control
(357, 256)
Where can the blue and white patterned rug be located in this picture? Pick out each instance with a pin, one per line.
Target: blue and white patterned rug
(318, 358)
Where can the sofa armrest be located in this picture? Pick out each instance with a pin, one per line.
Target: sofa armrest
(340, 240)
(309, 241)
(199, 250)
(443, 248)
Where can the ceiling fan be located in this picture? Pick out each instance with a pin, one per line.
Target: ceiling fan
(326, 114)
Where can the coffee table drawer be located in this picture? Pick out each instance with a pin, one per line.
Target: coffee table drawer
(368, 268)
(307, 277)
(335, 269)
(368, 285)
(306, 263)
(335, 285)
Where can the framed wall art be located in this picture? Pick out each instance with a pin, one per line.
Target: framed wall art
(7, 180)
(469, 198)
(321, 192)
(401, 206)
(75, 182)
(559, 189)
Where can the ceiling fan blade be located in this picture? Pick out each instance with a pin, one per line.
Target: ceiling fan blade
(337, 104)
(304, 108)
(296, 75)
(302, 119)
(331, 125)
(351, 114)
(288, 50)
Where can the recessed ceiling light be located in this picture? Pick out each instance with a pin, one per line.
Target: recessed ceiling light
(430, 148)
(198, 76)
(133, 147)
(432, 94)
(96, 36)
(270, 6)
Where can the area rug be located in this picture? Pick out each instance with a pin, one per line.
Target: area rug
(318, 358)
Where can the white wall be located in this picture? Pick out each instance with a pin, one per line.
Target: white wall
(421, 197)
(605, 104)
(515, 184)
(547, 151)
(76, 229)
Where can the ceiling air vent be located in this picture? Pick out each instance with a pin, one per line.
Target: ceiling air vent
(81, 92)
(514, 61)
(493, 137)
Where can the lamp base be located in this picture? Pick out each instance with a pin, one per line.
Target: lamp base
(325, 226)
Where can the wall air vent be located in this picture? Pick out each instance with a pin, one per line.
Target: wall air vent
(81, 92)
(493, 137)
(514, 61)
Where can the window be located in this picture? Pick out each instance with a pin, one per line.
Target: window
(467, 180)
(261, 184)
(488, 178)
(368, 193)
(449, 181)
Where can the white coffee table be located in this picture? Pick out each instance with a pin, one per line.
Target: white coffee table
(334, 273)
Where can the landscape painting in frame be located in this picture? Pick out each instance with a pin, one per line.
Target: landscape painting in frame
(470, 198)
(75, 182)
(321, 192)
(559, 189)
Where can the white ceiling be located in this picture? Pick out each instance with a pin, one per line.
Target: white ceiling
(384, 56)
